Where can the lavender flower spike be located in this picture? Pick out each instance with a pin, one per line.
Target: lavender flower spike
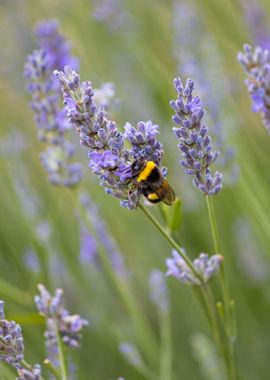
(194, 141)
(12, 348)
(206, 266)
(256, 63)
(58, 319)
(109, 159)
(11, 343)
(49, 116)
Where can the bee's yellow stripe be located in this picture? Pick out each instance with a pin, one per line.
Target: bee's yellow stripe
(146, 171)
(152, 197)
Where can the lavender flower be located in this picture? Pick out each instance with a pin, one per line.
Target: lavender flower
(206, 266)
(257, 23)
(144, 144)
(158, 290)
(58, 320)
(198, 56)
(33, 373)
(256, 63)
(11, 340)
(50, 118)
(131, 354)
(104, 95)
(14, 138)
(31, 261)
(194, 142)
(12, 348)
(89, 248)
(112, 14)
(55, 45)
(109, 158)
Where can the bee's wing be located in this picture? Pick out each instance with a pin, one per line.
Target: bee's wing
(165, 192)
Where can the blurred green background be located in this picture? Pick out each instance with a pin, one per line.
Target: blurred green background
(141, 55)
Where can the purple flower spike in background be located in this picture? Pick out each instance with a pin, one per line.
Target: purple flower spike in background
(131, 354)
(256, 63)
(206, 266)
(55, 45)
(158, 290)
(194, 141)
(49, 115)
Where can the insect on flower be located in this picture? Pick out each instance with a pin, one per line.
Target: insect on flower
(151, 183)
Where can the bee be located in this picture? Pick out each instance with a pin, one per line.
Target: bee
(151, 183)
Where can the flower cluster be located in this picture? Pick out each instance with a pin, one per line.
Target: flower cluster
(50, 118)
(205, 266)
(256, 63)
(194, 141)
(58, 320)
(55, 45)
(12, 348)
(109, 158)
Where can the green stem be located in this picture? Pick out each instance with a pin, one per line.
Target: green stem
(61, 356)
(146, 338)
(171, 241)
(146, 372)
(166, 345)
(229, 317)
(52, 369)
(205, 298)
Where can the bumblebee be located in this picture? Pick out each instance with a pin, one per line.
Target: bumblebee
(151, 183)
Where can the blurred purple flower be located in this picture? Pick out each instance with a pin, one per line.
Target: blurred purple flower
(89, 245)
(12, 144)
(31, 261)
(111, 13)
(88, 249)
(256, 63)
(50, 117)
(257, 23)
(158, 290)
(55, 45)
(131, 354)
(194, 141)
